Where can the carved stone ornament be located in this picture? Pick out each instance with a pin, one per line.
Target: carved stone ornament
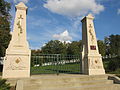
(95, 64)
(17, 64)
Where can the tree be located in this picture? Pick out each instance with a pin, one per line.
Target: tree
(54, 47)
(5, 18)
(107, 46)
(102, 47)
(113, 45)
(36, 52)
(74, 48)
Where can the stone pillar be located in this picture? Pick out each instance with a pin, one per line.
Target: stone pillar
(17, 59)
(91, 59)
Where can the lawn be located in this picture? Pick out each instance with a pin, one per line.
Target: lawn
(73, 68)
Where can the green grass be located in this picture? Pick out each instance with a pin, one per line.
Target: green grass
(105, 63)
(112, 65)
(52, 69)
(73, 68)
(115, 72)
(109, 65)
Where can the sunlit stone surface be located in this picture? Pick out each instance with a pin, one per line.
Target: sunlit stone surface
(17, 59)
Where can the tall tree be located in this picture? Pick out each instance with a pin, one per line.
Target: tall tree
(36, 52)
(102, 47)
(74, 48)
(5, 18)
(54, 47)
(113, 45)
(107, 45)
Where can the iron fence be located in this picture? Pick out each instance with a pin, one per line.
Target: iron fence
(55, 64)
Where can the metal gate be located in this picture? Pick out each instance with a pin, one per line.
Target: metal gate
(55, 64)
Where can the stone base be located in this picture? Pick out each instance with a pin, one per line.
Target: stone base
(95, 72)
(17, 65)
(93, 65)
(16, 74)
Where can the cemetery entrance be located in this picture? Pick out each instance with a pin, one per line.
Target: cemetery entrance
(55, 64)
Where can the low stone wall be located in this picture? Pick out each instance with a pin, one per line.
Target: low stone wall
(114, 78)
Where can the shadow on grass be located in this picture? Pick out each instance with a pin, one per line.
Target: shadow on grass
(54, 71)
(64, 71)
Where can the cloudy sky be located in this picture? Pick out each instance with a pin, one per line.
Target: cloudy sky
(61, 19)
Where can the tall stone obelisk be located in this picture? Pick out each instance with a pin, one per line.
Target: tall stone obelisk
(17, 59)
(91, 59)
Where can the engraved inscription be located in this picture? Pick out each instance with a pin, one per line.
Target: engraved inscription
(91, 33)
(19, 24)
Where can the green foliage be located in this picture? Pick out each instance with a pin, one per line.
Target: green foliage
(110, 46)
(113, 64)
(36, 52)
(102, 47)
(113, 45)
(57, 47)
(4, 26)
(4, 85)
(74, 48)
(54, 47)
(5, 16)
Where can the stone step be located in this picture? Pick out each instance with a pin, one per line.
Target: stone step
(74, 78)
(90, 87)
(67, 82)
(71, 84)
(12, 81)
(52, 83)
(116, 86)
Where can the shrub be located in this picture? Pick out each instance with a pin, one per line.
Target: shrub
(4, 85)
(113, 64)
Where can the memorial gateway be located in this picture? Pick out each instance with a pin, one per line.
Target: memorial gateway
(17, 61)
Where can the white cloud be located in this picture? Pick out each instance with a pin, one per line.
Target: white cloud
(76, 22)
(64, 36)
(118, 11)
(17, 1)
(33, 8)
(74, 8)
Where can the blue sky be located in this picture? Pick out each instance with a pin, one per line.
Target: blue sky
(61, 19)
